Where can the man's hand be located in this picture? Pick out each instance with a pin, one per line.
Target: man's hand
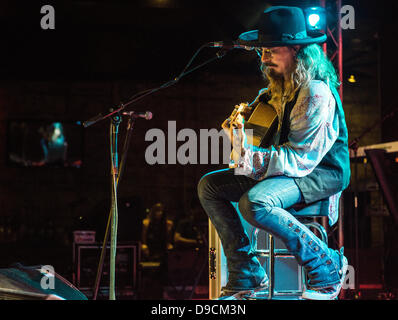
(235, 121)
(234, 129)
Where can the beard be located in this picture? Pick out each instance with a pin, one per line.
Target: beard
(276, 83)
(271, 73)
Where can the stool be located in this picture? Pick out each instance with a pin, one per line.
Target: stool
(300, 211)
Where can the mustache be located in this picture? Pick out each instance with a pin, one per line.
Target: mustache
(270, 73)
(264, 68)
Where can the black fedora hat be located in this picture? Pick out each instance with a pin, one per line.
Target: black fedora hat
(281, 26)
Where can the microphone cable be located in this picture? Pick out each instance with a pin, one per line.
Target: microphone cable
(183, 73)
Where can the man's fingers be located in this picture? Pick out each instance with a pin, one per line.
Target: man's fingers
(225, 124)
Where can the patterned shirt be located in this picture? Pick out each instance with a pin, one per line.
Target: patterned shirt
(314, 127)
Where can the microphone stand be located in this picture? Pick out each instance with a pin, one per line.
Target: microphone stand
(353, 145)
(115, 121)
(112, 219)
(116, 170)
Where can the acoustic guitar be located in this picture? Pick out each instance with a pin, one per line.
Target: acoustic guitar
(261, 123)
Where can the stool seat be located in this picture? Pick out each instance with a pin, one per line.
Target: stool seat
(309, 210)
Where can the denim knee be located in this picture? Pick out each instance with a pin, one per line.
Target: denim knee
(203, 187)
(253, 211)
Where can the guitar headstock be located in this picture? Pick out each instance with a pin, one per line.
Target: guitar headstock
(244, 109)
(241, 107)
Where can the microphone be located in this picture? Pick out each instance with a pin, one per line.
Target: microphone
(229, 45)
(147, 115)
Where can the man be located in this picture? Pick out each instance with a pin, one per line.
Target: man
(306, 161)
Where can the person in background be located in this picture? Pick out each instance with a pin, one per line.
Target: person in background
(157, 234)
(54, 144)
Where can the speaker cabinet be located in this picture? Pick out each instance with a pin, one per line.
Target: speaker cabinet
(86, 258)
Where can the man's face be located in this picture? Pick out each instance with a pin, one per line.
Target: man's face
(279, 60)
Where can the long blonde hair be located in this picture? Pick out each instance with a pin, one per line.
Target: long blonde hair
(311, 63)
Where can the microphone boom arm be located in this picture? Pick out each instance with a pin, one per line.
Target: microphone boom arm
(167, 84)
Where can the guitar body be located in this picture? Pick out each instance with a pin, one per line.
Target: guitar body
(263, 121)
(259, 128)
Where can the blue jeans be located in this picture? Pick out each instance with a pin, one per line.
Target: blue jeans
(263, 204)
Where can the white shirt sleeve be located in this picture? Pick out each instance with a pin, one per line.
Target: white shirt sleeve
(314, 128)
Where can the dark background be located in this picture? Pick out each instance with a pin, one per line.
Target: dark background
(103, 52)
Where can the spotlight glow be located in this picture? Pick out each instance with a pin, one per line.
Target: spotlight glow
(313, 19)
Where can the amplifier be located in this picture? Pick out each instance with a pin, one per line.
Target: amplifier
(85, 262)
